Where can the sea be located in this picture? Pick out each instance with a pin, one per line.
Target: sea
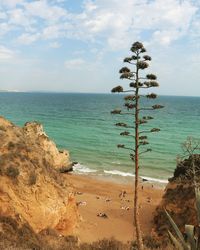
(83, 124)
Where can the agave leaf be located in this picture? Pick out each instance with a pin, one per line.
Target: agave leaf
(176, 243)
(197, 234)
(197, 194)
(177, 231)
(189, 230)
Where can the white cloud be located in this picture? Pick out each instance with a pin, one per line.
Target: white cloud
(18, 17)
(52, 32)
(100, 26)
(11, 3)
(4, 28)
(3, 15)
(76, 63)
(116, 23)
(55, 45)
(28, 38)
(44, 10)
(123, 21)
(5, 53)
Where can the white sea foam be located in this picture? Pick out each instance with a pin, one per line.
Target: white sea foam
(117, 172)
(116, 162)
(154, 179)
(125, 174)
(79, 168)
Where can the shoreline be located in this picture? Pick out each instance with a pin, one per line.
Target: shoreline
(115, 176)
(106, 207)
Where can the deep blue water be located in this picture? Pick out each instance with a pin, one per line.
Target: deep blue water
(82, 123)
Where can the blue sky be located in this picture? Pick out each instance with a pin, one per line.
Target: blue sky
(79, 45)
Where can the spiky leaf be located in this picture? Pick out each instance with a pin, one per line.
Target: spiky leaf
(176, 243)
(189, 230)
(177, 231)
(197, 194)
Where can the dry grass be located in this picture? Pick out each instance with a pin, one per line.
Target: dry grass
(2, 128)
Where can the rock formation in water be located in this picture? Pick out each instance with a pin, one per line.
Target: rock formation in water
(32, 190)
(179, 198)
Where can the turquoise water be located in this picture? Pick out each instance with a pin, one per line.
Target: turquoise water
(82, 123)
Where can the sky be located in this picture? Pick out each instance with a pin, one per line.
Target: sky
(79, 45)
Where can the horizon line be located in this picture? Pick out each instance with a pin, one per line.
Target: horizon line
(74, 92)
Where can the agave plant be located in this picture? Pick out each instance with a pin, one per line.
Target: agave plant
(191, 239)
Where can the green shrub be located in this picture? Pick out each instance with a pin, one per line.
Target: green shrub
(12, 172)
(11, 145)
(32, 179)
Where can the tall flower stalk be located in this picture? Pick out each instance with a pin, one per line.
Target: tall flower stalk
(139, 62)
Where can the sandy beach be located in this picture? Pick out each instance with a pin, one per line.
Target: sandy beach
(106, 208)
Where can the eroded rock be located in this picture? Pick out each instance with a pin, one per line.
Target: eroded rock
(179, 198)
(32, 190)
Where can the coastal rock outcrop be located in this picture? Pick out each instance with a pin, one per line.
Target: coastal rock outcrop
(35, 134)
(179, 198)
(32, 190)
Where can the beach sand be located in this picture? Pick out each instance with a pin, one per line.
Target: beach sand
(96, 196)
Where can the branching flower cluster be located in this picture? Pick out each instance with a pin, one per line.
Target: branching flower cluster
(139, 60)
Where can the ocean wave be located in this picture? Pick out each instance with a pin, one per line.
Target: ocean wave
(125, 174)
(82, 169)
(154, 179)
(79, 168)
(116, 162)
(117, 172)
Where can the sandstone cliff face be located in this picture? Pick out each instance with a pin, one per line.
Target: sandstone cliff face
(31, 188)
(35, 134)
(179, 199)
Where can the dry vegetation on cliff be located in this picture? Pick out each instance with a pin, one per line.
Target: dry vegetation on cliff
(37, 204)
(32, 191)
(179, 198)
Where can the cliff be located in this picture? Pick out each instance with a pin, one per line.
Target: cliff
(179, 198)
(32, 190)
